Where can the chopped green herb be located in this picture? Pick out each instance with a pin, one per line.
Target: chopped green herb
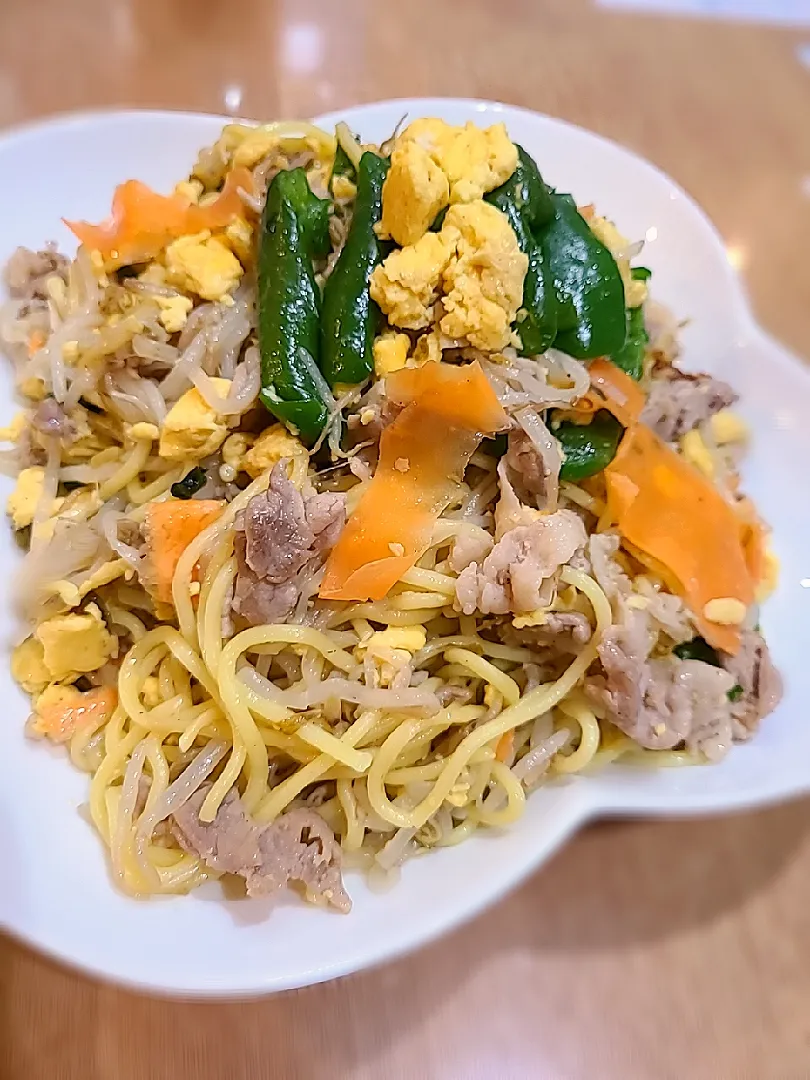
(190, 484)
(697, 649)
(735, 693)
(641, 273)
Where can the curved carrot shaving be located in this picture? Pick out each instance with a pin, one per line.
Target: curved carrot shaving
(671, 513)
(143, 222)
(616, 391)
(170, 528)
(423, 455)
(70, 709)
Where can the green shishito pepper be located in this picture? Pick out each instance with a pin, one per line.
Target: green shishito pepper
(587, 283)
(288, 311)
(536, 201)
(524, 201)
(588, 448)
(631, 358)
(312, 212)
(341, 166)
(350, 317)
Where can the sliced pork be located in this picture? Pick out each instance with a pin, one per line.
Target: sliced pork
(282, 538)
(26, 273)
(678, 401)
(752, 669)
(297, 847)
(510, 578)
(660, 702)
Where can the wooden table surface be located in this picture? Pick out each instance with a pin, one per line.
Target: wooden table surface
(642, 950)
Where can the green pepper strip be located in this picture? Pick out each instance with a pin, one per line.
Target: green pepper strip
(190, 484)
(587, 283)
(588, 448)
(341, 166)
(537, 201)
(630, 358)
(517, 199)
(288, 316)
(350, 317)
(312, 212)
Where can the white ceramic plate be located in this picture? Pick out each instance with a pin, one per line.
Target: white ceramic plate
(55, 891)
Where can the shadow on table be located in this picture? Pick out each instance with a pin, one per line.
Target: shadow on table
(615, 886)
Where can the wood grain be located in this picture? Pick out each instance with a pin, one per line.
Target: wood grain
(643, 950)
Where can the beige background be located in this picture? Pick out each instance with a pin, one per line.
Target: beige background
(642, 950)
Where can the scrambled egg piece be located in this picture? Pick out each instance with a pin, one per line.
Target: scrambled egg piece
(28, 666)
(406, 286)
(191, 189)
(697, 453)
(635, 292)
(727, 428)
(72, 595)
(272, 445)
(390, 353)
(475, 261)
(474, 160)
(408, 638)
(22, 502)
(483, 283)
(255, 145)
(203, 264)
(192, 430)
(33, 388)
(75, 643)
(392, 649)
(15, 428)
(174, 311)
(234, 449)
(239, 236)
(415, 190)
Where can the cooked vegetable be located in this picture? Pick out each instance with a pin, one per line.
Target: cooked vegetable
(697, 649)
(62, 710)
(423, 455)
(350, 318)
(615, 391)
(641, 273)
(587, 283)
(671, 513)
(537, 202)
(630, 357)
(170, 528)
(312, 212)
(523, 200)
(288, 317)
(143, 222)
(190, 484)
(341, 166)
(588, 448)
